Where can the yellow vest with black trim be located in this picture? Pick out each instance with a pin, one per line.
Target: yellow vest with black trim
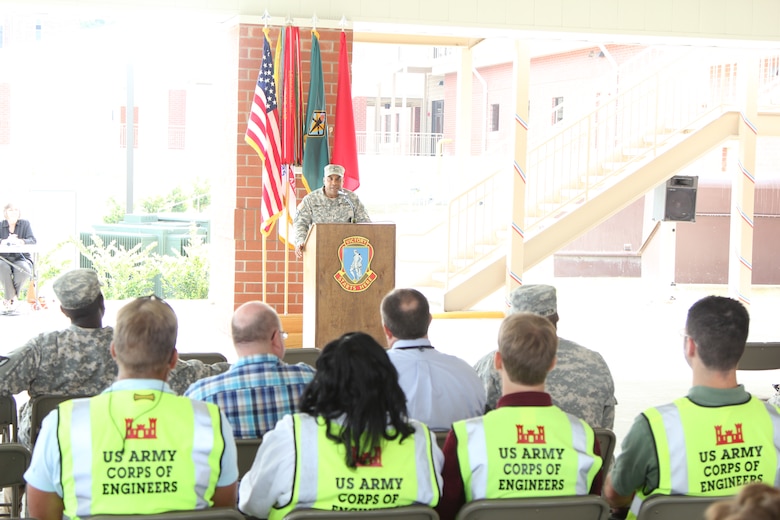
(713, 451)
(139, 452)
(393, 475)
(526, 451)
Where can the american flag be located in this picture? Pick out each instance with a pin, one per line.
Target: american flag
(262, 134)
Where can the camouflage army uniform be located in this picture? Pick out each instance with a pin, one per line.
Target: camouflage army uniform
(76, 361)
(317, 208)
(580, 384)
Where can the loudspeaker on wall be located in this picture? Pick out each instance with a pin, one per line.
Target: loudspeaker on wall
(675, 200)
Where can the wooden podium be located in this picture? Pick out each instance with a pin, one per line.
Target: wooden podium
(347, 270)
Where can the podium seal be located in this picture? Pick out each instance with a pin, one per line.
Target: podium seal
(355, 254)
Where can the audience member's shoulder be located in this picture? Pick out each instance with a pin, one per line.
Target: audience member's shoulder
(565, 345)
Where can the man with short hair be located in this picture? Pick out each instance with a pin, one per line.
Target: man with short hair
(711, 442)
(440, 389)
(137, 448)
(581, 382)
(527, 446)
(260, 388)
(76, 361)
(329, 204)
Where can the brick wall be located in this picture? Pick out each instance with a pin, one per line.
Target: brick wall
(248, 239)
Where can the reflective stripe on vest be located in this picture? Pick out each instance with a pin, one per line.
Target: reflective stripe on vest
(322, 480)
(712, 451)
(526, 451)
(132, 456)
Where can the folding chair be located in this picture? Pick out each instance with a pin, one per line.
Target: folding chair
(406, 512)
(606, 440)
(214, 513)
(40, 408)
(441, 436)
(305, 355)
(247, 449)
(760, 356)
(588, 507)
(206, 357)
(14, 461)
(674, 507)
(8, 419)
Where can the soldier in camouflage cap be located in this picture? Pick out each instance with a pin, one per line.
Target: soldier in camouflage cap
(77, 361)
(581, 382)
(331, 203)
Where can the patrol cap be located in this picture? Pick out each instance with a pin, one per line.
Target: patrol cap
(334, 169)
(76, 289)
(538, 299)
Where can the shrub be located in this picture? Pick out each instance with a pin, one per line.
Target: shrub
(186, 277)
(124, 273)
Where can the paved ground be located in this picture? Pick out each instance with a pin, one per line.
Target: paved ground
(635, 328)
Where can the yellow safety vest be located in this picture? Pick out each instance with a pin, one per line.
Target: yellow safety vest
(528, 451)
(396, 474)
(139, 452)
(713, 451)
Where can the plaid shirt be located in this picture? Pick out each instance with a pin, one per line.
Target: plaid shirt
(255, 393)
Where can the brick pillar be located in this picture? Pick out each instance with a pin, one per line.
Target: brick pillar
(248, 239)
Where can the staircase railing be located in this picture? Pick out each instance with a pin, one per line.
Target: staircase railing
(597, 149)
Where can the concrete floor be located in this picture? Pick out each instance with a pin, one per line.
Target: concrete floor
(635, 327)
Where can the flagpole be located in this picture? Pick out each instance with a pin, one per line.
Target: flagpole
(284, 244)
(265, 265)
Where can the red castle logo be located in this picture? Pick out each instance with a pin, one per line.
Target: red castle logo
(372, 458)
(139, 431)
(531, 436)
(729, 437)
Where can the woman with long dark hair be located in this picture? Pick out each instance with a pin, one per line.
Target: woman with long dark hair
(351, 447)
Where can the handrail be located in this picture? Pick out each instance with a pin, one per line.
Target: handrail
(663, 96)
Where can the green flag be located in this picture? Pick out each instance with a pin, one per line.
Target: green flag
(315, 147)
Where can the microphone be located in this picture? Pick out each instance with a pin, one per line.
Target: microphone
(344, 194)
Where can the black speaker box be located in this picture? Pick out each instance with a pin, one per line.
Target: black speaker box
(675, 200)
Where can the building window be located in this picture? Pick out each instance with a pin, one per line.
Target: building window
(494, 117)
(123, 128)
(177, 113)
(1, 36)
(557, 109)
(38, 31)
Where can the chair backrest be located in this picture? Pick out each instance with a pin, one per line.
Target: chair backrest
(40, 407)
(588, 507)
(8, 419)
(406, 512)
(298, 355)
(246, 448)
(207, 357)
(441, 436)
(14, 461)
(215, 513)
(674, 507)
(606, 440)
(760, 356)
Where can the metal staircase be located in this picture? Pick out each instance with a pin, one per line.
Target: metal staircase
(597, 165)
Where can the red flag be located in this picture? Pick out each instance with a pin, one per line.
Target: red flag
(344, 142)
(291, 113)
(262, 134)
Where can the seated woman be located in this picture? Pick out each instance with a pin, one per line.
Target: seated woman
(15, 268)
(351, 447)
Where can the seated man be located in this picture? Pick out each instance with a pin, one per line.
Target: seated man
(711, 442)
(137, 448)
(76, 361)
(440, 389)
(259, 389)
(580, 384)
(527, 447)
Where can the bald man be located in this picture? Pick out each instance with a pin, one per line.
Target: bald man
(259, 389)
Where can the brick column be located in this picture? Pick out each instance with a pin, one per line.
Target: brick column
(248, 239)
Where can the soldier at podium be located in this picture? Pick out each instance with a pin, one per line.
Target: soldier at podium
(329, 204)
